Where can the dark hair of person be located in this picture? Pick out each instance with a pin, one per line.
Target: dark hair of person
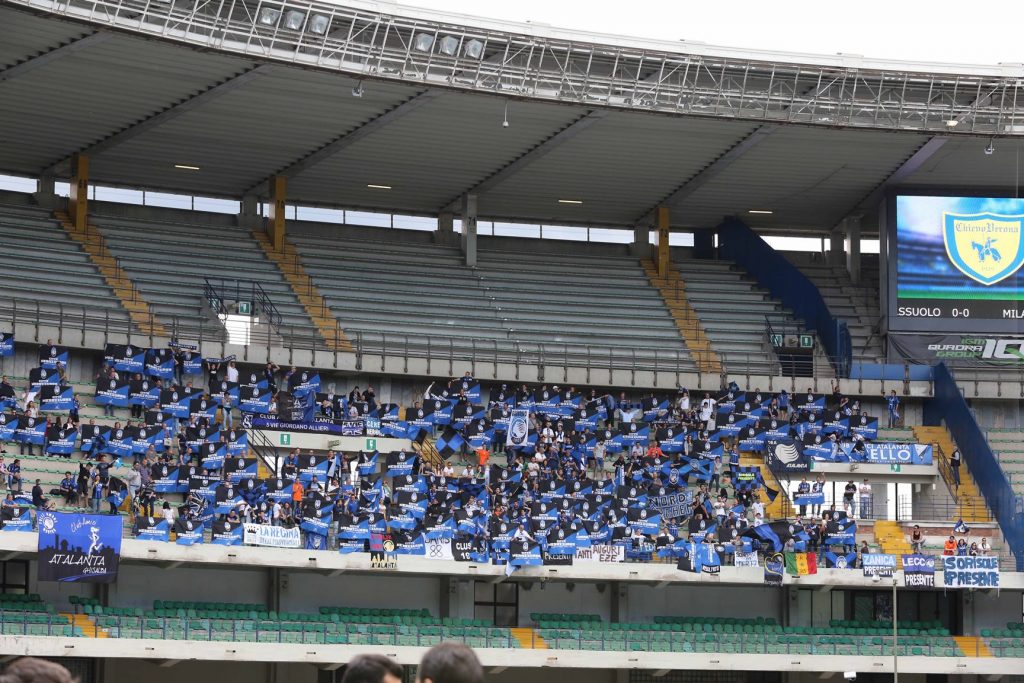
(371, 669)
(450, 663)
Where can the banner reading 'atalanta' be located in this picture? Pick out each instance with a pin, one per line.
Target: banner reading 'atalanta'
(83, 548)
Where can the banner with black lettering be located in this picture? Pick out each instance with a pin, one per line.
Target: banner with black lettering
(78, 548)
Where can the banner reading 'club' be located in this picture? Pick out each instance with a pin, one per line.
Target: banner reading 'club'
(82, 548)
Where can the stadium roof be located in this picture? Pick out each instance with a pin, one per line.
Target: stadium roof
(102, 80)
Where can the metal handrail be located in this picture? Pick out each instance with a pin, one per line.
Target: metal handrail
(216, 293)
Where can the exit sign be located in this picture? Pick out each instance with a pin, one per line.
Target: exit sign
(806, 341)
(286, 439)
(371, 445)
(244, 308)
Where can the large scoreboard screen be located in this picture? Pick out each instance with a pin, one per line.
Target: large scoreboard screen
(955, 264)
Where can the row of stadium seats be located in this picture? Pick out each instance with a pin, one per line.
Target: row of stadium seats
(29, 615)
(425, 293)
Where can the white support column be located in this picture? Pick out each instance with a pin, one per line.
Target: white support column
(853, 248)
(469, 229)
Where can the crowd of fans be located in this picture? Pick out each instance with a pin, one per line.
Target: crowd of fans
(607, 487)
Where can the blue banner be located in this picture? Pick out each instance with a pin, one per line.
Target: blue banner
(17, 518)
(31, 430)
(125, 358)
(809, 498)
(226, 533)
(56, 399)
(112, 392)
(153, 529)
(50, 355)
(6, 344)
(160, 363)
(143, 392)
(890, 453)
(82, 548)
(400, 464)
(188, 532)
(60, 441)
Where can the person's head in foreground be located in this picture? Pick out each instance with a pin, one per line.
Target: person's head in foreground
(32, 670)
(372, 669)
(450, 663)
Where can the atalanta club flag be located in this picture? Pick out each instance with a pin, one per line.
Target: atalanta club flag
(6, 344)
(50, 355)
(82, 548)
(112, 392)
(125, 358)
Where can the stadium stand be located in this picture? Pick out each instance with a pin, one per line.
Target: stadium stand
(426, 294)
(171, 262)
(733, 310)
(33, 243)
(856, 304)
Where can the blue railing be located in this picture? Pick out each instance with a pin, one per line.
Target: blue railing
(785, 282)
(949, 405)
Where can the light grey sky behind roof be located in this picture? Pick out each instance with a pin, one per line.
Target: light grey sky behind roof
(978, 32)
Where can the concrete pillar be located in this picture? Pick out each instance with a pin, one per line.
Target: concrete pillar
(663, 246)
(836, 253)
(249, 217)
(620, 602)
(853, 248)
(45, 194)
(78, 205)
(445, 233)
(469, 229)
(641, 247)
(275, 221)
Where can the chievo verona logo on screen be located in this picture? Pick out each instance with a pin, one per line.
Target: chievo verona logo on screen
(986, 247)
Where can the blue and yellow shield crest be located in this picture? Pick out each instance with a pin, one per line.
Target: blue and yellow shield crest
(986, 247)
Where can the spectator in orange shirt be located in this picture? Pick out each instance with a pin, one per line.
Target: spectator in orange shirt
(654, 450)
(298, 491)
(483, 456)
(949, 548)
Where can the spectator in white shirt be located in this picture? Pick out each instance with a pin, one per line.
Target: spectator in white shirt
(232, 372)
(707, 408)
(865, 500)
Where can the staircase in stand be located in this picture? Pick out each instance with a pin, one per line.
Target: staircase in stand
(288, 262)
(972, 646)
(781, 507)
(84, 624)
(890, 537)
(428, 452)
(970, 504)
(672, 288)
(95, 246)
(529, 639)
